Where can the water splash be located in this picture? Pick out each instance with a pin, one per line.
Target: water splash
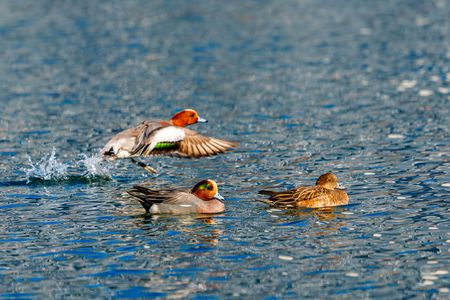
(47, 168)
(96, 166)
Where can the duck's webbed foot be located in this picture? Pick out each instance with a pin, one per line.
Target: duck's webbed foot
(145, 166)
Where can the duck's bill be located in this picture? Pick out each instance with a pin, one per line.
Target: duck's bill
(219, 197)
(107, 154)
(341, 186)
(108, 157)
(201, 120)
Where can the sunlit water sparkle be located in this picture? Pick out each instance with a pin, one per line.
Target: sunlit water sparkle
(359, 88)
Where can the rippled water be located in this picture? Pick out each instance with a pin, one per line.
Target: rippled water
(355, 87)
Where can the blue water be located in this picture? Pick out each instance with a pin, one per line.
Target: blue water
(360, 88)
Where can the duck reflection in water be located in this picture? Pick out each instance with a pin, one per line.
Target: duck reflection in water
(328, 218)
(200, 230)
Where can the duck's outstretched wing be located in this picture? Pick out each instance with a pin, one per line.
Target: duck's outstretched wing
(195, 144)
(182, 142)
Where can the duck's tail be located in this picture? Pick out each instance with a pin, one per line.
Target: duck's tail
(141, 193)
(266, 201)
(269, 193)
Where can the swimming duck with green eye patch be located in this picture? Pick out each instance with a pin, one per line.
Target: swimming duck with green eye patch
(324, 194)
(203, 198)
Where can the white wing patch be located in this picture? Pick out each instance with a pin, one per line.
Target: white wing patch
(167, 134)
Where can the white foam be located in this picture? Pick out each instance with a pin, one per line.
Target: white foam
(396, 136)
(443, 90)
(406, 84)
(50, 168)
(365, 31)
(285, 257)
(430, 277)
(434, 78)
(422, 21)
(425, 93)
(96, 166)
(47, 168)
(440, 272)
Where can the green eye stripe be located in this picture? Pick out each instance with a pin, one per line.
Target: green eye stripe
(203, 186)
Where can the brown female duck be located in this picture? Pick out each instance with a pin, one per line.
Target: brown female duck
(324, 194)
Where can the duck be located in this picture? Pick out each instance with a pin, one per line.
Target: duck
(203, 198)
(170, 138)
(324, 194)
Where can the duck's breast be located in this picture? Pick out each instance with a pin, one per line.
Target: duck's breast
(211, 207)
(341, 197)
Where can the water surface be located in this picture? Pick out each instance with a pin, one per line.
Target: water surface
(307, 87)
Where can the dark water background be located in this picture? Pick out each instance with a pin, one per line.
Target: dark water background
(360, 88)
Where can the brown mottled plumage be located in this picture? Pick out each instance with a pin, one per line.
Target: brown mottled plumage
(193, 145)
(324, 194)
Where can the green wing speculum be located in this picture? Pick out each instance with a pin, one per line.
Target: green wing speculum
(166, 146)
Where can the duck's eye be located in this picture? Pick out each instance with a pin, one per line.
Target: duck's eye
(209, 188)
(192, 115)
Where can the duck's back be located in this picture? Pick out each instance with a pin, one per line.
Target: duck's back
(308, 197)
(122, 144)
(177, 202)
